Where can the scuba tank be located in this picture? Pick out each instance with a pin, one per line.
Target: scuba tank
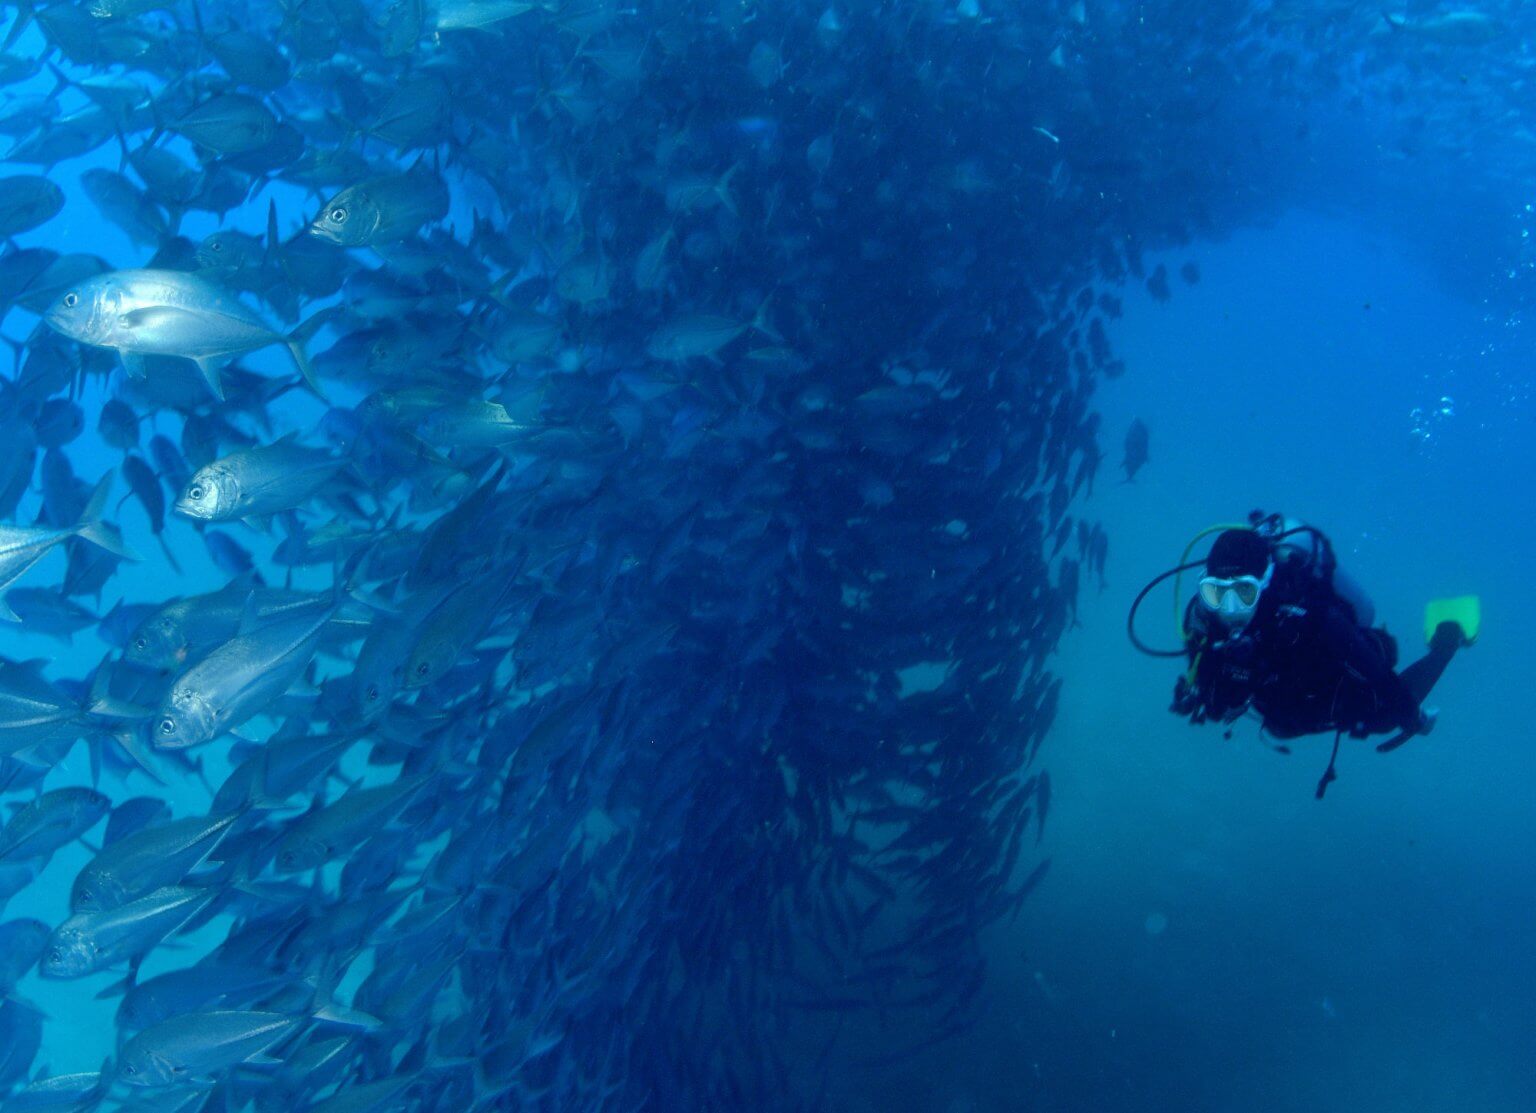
(1291, 540)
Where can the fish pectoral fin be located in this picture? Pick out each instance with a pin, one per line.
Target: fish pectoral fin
(116, 989)
(25, 1003)
(209, 366)
(6, 613)
(34, 758)
(133, 364)
(153, 316)
(128, 742)
(345, 1017)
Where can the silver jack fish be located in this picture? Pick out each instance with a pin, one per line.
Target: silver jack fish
(196, 1047)
(92, 941)
(255, 483)
(239, 679)
(383, 209)
(142, 313)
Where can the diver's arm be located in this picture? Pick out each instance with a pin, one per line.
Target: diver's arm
(1186, 698)
(1193, 692)
(1361, 655)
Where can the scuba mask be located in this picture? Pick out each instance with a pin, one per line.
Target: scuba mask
(1233, 599)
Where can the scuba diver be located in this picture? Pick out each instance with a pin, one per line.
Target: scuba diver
(1278, 629)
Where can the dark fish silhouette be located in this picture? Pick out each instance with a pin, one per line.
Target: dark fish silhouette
(1137, 439)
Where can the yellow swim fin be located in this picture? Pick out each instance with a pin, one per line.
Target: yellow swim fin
(1464, 610)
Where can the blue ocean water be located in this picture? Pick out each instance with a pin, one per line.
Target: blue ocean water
(1209, 936)
(1216, 938)
(1212, 937)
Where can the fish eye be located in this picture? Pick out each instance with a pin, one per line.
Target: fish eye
(338, 214)
(373, 691)
(423, 668)
(215, 245)
(195, 491)
(167, 726)
(129, 1068)
(141, 643)
(71, 300)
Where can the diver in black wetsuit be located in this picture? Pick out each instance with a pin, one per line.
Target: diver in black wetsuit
(1276, 628)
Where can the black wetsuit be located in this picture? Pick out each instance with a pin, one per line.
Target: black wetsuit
(1305, 664)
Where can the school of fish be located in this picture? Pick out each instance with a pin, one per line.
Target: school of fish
(568, 506)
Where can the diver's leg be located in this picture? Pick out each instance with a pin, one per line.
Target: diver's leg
(1422, 675)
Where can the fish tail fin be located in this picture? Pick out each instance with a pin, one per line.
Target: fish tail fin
(348, 580)
(96, 505)
(61, 80)
(272, 250)
(93, 758)
(296, 341)
(258, 184)
(325, 1008)
(301, 360)
(351, 132)
(170, 555)
(723, 188)
(761, 323)
(24, 16)
(132, 746)
(18, 348)
(158, 125)
(99, 532)
(122, 144)
(102, 702)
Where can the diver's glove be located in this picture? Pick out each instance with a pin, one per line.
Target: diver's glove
(1187, 701)
(1427, 719)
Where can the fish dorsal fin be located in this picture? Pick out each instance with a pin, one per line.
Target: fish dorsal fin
(274, 244)
(245, 583)
(250, 615)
